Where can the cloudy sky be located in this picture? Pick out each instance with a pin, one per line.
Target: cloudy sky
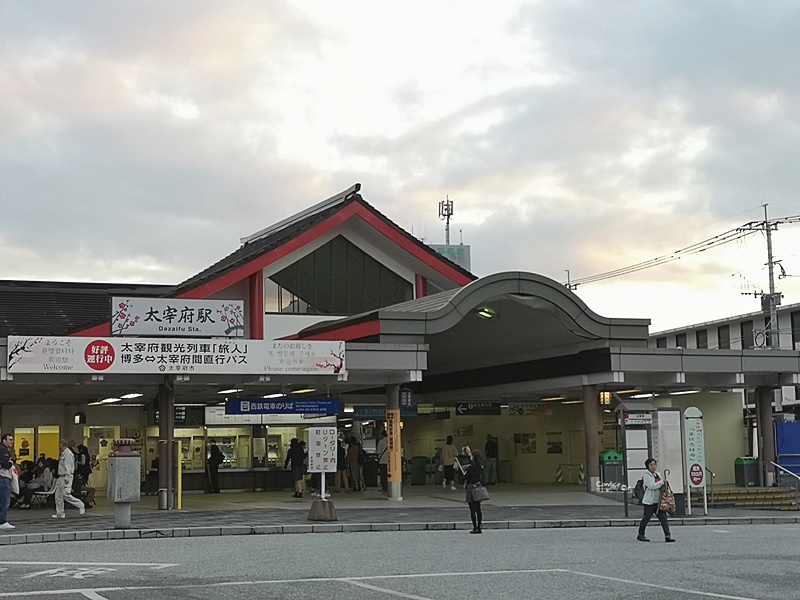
(140, 140)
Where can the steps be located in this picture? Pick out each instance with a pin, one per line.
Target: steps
(775, 498)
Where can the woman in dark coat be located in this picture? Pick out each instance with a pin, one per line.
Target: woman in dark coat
(473, 473)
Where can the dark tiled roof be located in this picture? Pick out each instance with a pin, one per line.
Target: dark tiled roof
(58, 308)
(258, 247)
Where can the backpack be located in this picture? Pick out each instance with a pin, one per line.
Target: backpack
(638, 490)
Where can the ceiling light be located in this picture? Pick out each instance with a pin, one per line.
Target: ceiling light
(504, 406)
(94, 403)
(484, 312)
(554, 398)
(304, 391)
(110, 400)
(349, 409)
(573, 402)
(348, 426)
(607, 410)
(131, 396)
(641, 396)
(192, 404)
(274, 396)
(629, 391)
(230, 391)
(684, 392)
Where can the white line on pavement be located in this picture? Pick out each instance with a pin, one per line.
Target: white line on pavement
(90, 564)
(385, 590)
(92, 595)
(664, 587)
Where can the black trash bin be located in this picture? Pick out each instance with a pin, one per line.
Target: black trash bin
(370, 471)
(745, 471)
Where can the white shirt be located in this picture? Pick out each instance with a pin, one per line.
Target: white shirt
(66, 463)
(383, 451)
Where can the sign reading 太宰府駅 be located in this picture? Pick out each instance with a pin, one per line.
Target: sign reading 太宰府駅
(32, 354)
(695, 447)
(322, 449)
(175, 317)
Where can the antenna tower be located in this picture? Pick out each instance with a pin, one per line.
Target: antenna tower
(445, 212)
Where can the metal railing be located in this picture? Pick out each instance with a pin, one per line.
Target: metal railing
(796, 481)
(711, 483)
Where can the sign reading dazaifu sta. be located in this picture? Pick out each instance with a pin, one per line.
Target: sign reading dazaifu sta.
(31, 354)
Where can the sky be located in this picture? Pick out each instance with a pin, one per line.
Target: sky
(139, 141)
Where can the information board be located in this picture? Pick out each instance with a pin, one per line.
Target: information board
(322, 449)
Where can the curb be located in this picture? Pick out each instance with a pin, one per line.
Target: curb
(182, 532)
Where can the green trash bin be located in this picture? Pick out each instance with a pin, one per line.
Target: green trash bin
(612, 467)
(745, 471)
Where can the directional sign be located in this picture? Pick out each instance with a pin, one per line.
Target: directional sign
(300, 406)
(368, 412)
(479, 409)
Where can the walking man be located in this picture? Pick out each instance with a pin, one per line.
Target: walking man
(6, 464)
(66, 472)
(383, 460)
(491, 459)
(215, 459)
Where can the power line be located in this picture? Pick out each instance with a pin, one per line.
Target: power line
(713, 242)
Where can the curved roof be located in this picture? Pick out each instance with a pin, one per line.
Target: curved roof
(509, 293)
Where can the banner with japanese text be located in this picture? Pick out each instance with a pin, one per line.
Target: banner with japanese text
(41, 354)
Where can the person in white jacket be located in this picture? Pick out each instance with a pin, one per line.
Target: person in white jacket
(66, 471)
(653, 482)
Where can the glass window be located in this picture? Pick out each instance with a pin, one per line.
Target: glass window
(746, 328)
(680, 340)
(701, 336)
(337, 278)
(796, 330)
(661, 342)
(724, 337)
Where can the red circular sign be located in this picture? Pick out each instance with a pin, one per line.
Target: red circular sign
(99, 355)
(696, 474)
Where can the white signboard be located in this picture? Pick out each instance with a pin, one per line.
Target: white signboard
(667, 447)
(322, 449)
(32, 354)
(695, 447)
(175, 317)
(644, 418)
(215, 415)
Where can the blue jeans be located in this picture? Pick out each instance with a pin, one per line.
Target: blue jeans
(5, 498)
(649, 511)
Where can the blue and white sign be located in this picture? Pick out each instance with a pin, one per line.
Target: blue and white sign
(280, 406)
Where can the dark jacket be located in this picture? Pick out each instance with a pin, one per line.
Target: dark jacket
(473, 474)
(296, 456)
(5, 459)
(215, 457)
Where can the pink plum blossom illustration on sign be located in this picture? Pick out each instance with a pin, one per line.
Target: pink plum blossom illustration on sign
(120, 319)
(231, 315)
(338, 361)
(20, 348)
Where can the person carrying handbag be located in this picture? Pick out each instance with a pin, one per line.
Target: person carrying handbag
(476, 493)
(653, 484)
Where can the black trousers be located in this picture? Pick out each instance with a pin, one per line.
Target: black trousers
(475, 514)
(213, 477)
(649, 511)
(384, 477)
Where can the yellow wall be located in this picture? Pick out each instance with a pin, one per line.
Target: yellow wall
(724, 431)
(47, 441)
(423, 437)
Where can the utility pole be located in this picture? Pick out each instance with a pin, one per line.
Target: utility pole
(770, 301)
(773, 330)
(445, 212)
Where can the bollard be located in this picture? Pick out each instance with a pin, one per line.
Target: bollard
(124, 481)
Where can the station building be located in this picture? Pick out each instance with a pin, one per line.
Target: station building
(513, 355)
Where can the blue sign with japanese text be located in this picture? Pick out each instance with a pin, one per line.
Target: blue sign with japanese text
(283, 406)
(378, 411)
